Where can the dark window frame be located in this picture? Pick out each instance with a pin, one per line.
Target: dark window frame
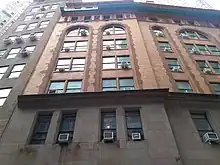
(114, 47)
(183, 90)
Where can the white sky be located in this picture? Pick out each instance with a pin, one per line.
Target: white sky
(214, 3)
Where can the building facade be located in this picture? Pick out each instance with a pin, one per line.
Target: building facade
(121, 82)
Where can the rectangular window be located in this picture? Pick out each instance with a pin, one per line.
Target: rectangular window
(215, 88)
(74, 19)
(165, 46)
(46, 7)
(38, 16)
(64, 64)
(121, 44)
(108, 62)
(44, 24)
(108, 123)
(201, 122)
(39, 35)
(25, 36)
(28, 17)
(67, 124)
(133, 122)
(215, 65)
(20, 28)
(2, 52)
(13, 53)
(109, 85)
(56, 87)
(32, 26)
(184, 86)
(41, 128)
(78, 64)
(34, 10)
(214, 50)
(68, 46)
(73, 86)
(203, 49)
(202, 65)
(108, 44)
(54, 7)
(126, 84)
(3, 70)
(3, 95)
(16, 71)
(30, 49)
(81, 46)
(174, 65)
(48, 15)
(192, 49)
(87, 18)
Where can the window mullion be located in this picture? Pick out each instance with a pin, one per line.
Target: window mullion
(71, 64)
(65, 86)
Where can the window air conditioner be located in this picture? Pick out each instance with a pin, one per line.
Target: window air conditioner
(167, 49)
(83, 33)
(51, 91)
(42, 8)
(108, 33)
(108, 47)
(67, 49)
(176, 69)
(33, 37)
(25, 53)
(108, 136)
(125, 65)
(207, 70)
(210, 137)
(136, 136)
(61, 69)
(8, 41)
(63, 138)
(194, 51)
(159, 34)
(18, 40)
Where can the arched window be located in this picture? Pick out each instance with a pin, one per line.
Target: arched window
(158, 32)
(113, 30)
(78, 32)
(192, 34)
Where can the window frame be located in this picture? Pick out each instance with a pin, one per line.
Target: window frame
(30, 17)
(189, 90)
(32, 26)
(74, 46)
(214, 91)
(116, 62)
(2, 73)
(164, 48)
(113, 27)
(4, 97)
(16, 71)
(196, 33)
(49, 13)
(104, 47)
(170, 66)
(16, 54)
(18, 29)
(43, 26)
(197, 51)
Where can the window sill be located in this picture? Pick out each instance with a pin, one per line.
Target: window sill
(68, 71)
(204, 55)
(71, 51)
(177, 72)
(115, 50)
(114, 69)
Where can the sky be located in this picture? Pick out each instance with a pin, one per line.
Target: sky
(214, 3)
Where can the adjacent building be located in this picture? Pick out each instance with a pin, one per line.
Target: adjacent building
(114, 82)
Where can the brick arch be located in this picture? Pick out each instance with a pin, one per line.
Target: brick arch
(107, 25)
(72, 27)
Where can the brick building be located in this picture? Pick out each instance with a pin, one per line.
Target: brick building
(112, 83)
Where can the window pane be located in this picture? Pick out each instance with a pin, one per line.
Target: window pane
(126, 82)
(39, 15)
(25, 36)
(18, 68)
(5, 92)
(38, 35)
(183, 87)
(3, 69)
(14, 51)
(54, 6)
(74, 84)
(108, 59)
(133, 120)
(49, 14)
(64, 62)
(121, 44)
(79, 61)
(57, 86)
(109, 83)
(192, 34)
(73, 33)
(2, 52)
(109, 66)
(119, 30)
(14, 75)
(2, 101)
(109, 31)
(108, 120)
(108, 43)
(30, 48)
(35, 9)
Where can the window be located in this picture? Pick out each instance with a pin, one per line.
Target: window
(187, 34)
(34, 10)
(65, 86)
(64, 64)
(44, 24)
(201, 122)
(158, 32)
(25, 36)
(192, 49)
(126, 84)
(165, 46)
(115, 62)
(216, 88)
(38, 16)
(2, 52)
(67, 124)
(203, 65)
(16, 71)
(174, 65)
(215, 65)
(3, 95)
(13, 53)
(123, 84)
(46, 7)
(203, 49)
(75, 46)
(108, 123)
(30, 49)
(32, 26)
(20, 28)
(28, 17)
(115, 44)
(78, 64)
(38, 35)
(54, 7)
(133, 122)
(183, 86)
(119, 16)
(113, 30)
(214, 50)
(12, 38)
(41, 128)
(96, 17)
(48, 15)
(3, 69)
(78, 32)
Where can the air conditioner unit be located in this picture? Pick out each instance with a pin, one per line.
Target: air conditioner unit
(63, 138)
(8, 41)
(37, 17)
(210, 137)
(176, 69)
(207, 70)
(33, 37)
(167, 49)
(108, 48)
(125, 65)
(136, 136)
(25, 53)
(51, 91)
(18, 40)
(42, 8)
(185, 36)
(159, 34)
(83, 33)
(194, 51)
(107, 32)
(67, 49)
(108, 136)
(61, 69)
